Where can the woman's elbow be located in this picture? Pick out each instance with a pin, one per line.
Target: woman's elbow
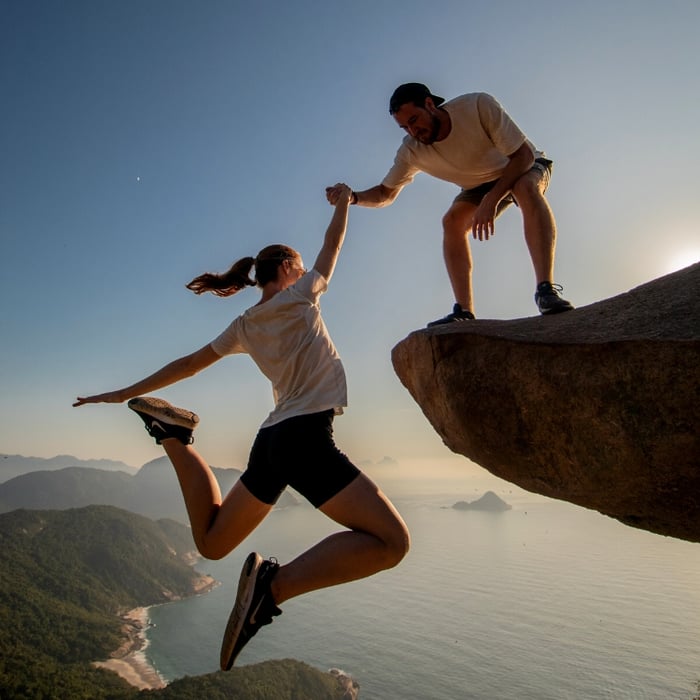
(197, 361)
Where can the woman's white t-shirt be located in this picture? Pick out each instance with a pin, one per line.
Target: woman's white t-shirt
(288, 340)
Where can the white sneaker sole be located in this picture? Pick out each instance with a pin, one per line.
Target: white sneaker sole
(162, 410)
(241, 608)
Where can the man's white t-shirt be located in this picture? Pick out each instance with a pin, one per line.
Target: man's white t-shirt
(474, 152)
(288, 340)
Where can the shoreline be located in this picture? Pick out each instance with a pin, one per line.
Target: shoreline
(129, 660)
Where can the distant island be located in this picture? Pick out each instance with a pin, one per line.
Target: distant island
(489, 501)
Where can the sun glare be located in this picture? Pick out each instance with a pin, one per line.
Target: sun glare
(682, 258)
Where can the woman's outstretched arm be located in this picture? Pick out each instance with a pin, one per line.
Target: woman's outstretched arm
(333, 241)
(174, 371)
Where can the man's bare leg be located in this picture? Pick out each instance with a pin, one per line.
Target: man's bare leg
(457, 254)
(540, 235)
(538, 223)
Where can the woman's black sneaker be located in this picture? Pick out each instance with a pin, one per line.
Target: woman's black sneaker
(163, 420)
(254, 607)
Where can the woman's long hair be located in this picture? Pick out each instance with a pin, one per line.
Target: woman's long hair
(237, 277)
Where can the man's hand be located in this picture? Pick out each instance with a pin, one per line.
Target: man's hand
(338, 193)
(519, 163)
(483, 223)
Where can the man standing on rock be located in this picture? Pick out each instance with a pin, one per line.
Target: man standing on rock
(471, 142)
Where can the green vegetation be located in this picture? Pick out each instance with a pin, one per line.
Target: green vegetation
(65, 576)
(281, 680)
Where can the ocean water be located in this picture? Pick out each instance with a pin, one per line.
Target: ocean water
(546, 601)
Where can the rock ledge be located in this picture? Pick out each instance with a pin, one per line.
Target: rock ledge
(598, 406)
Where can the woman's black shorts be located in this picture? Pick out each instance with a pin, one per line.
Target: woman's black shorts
(298, 452)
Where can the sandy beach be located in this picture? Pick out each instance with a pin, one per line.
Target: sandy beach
(129, 661)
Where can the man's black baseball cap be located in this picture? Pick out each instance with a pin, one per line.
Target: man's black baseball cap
(412, 92)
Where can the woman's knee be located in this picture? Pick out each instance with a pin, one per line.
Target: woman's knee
(211, 549)
(398, 544)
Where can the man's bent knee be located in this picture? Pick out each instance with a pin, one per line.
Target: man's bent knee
(455, 224)
(529, 187)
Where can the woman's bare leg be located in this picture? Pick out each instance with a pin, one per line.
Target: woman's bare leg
(218, 526)
(377, 539)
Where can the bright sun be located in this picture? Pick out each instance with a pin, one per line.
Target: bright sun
(682, 258)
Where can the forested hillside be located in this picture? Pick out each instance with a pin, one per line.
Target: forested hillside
(64, 578)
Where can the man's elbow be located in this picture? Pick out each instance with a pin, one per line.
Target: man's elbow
(525, 155)
(387, 195)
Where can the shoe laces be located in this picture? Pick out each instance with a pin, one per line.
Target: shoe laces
(271, 567)
(549, 288)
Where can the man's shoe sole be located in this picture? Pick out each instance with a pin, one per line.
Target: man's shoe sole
(447, 321)
(560, 310)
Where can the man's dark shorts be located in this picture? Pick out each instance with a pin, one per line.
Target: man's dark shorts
(298, 452)
(476, 194)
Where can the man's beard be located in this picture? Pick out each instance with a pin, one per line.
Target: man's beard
(434, 131)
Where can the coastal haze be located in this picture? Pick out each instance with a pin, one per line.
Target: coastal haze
(545, 601)
(144, 144)
(503, 589)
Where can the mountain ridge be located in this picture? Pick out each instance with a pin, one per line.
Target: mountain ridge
(12, 465)
(152, 491)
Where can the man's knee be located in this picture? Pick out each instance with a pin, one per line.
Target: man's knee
(456, 223)
(529, 188)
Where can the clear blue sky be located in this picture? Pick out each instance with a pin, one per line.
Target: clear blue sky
(143, 143)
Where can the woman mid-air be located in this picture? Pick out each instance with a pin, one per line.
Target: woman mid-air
(287, 339)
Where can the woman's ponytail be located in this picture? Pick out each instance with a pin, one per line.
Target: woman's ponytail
(226, 283)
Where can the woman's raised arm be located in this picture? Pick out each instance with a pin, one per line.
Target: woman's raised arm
(335, 233)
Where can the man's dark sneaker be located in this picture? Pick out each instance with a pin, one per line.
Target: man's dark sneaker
(164, 420)
(254, 607)
(458, 314)
(548, 300)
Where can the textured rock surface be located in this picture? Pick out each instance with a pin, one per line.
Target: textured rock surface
(598, 406)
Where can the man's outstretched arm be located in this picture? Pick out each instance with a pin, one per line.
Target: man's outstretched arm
(377, 196)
